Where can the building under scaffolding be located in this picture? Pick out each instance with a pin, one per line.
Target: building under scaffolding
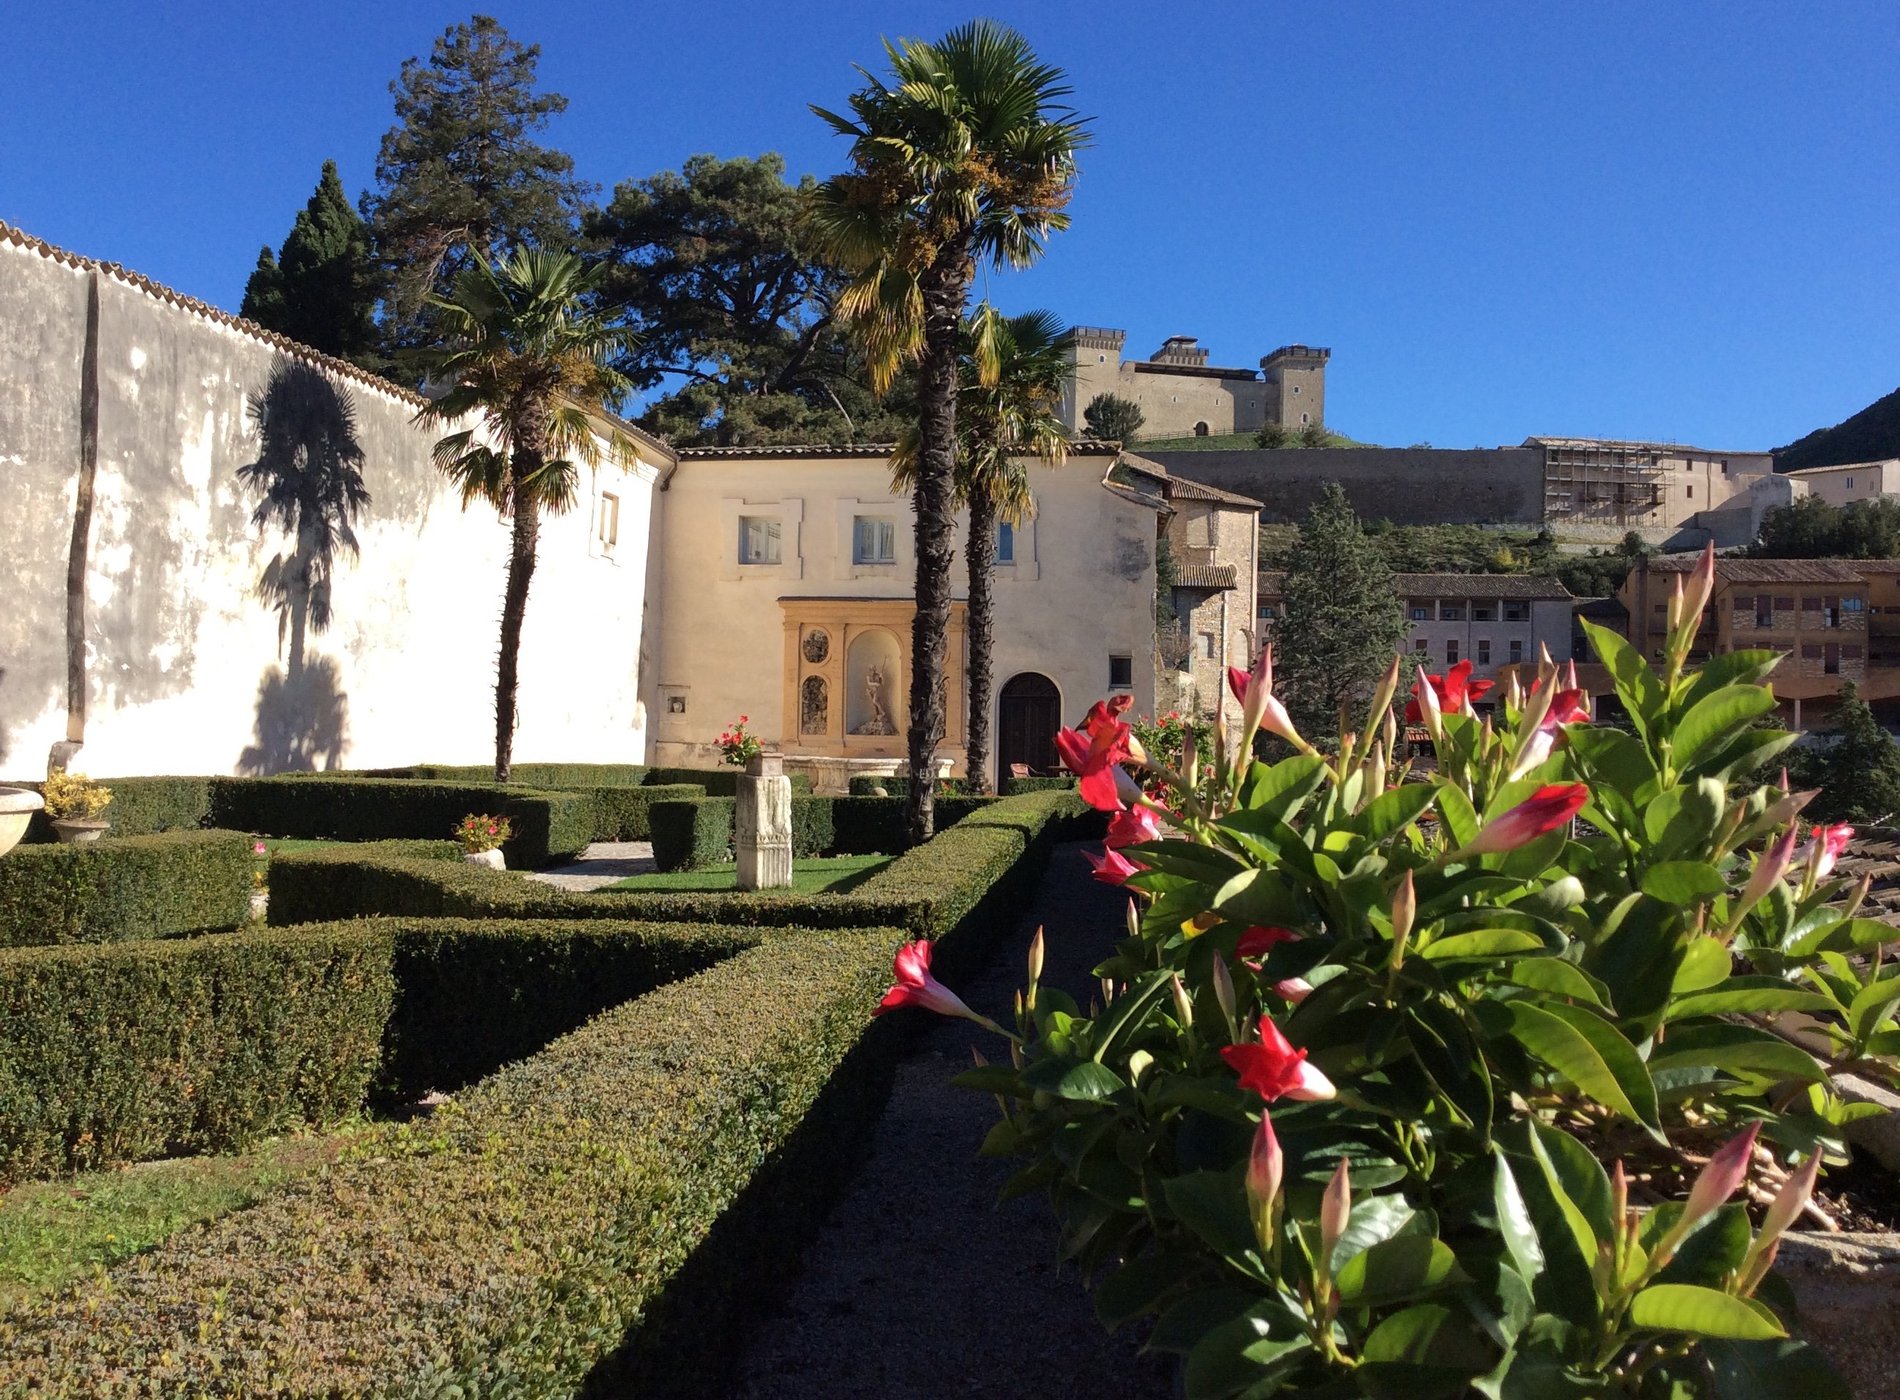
(1610, 482)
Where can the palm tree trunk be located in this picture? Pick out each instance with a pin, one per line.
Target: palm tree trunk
(946, 290)
(981, 555)
(514, 608)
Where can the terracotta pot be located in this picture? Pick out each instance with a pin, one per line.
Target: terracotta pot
(73, 830)
(17, 806)
(491, 859)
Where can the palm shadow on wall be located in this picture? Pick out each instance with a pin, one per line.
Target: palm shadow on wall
(309, 473)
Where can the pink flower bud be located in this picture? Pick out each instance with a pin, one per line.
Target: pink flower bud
(1266, 1165)
(1294, 989)
(1112, 867)
(1769, 868)
(1719, 1179)
(1335, 1208)
(1543, 811)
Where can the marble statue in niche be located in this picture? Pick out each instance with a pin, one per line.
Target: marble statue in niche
(880, 718)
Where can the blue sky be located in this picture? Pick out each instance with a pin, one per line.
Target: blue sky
(1662, 220)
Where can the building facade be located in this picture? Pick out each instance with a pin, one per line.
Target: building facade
(1641, 485)
(1853, 481)
(1181, 395)
(787, 598)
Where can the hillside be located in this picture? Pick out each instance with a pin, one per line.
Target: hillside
(1868, 436)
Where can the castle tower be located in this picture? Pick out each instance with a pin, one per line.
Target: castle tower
(1096, 353)
(1296, 385)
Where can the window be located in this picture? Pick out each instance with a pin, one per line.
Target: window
(1764, 610)
(1517, 652)
(1691, 495)
(1517, 612)
(758, 539)
(1810, 651)
(1850, 483)
(1484, 651)
(1421, 612)
(1851, 652)
(873, 540)
(1422, 646)
(609, 531)
(1830, 612)
(1484, 612)
(1451, 653)
(1268, 612)
(1853, 604)
(1121, 672)
(1783, 604)
(1005, 542)
(1207, 646)
(1451, 612)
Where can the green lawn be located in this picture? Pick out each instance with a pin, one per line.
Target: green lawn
(836, 874)
(54, 1231)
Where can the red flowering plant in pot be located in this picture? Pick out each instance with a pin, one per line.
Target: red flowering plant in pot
(1442, 1083)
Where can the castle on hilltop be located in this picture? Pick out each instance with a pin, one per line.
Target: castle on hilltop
(1181, 395)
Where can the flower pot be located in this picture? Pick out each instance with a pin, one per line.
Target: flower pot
(17, 806)
(769, 764)
(73, 830)
(491, 859)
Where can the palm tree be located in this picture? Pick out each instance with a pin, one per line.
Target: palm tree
(526, 351)
(310, 468)
(966, 158)
(1011, 378)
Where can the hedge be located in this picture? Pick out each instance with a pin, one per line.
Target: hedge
(694, 835)
(139, 807)
(549, 826)
(125, 887)
(594, 1219)
(112, 1053)
(123, 1051)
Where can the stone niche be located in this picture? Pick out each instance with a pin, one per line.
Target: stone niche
(847, 678)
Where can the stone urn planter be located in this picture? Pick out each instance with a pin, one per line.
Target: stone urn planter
(492, 859)
(74, 830)
(17, 806)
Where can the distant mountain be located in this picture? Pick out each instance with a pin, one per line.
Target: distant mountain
(1868, 436)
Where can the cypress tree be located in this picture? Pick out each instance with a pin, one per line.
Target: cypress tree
(321, 288)
(1859, 773)
(1343, 618)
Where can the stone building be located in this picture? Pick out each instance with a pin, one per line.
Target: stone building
(1851, 481)
(1494, 621)
(1835, 620)
(1641, 485)
(1181, 395)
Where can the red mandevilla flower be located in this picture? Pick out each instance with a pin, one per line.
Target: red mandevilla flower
(1096, 759)
(1273, 1069)
(1452, 691)
(1260, 940)
(916, 987)
(1550, 807)
(1132, 826)
(1112, 867)
(1824, 848)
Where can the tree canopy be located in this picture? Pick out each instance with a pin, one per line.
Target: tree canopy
(1111, 418)
(1858, 773)
(717, 274)
(461, 168)
(321, 289)
(1811, 528)
(1343, 617)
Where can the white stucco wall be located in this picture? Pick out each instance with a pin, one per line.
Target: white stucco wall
(1082, 587)
(182, 652)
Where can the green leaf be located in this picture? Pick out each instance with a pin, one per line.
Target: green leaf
(1082, 1081)
(1214, 1206)
(1460, 818)
(1683, 882)
(1705, 962)
(1423, 1352)
(1700, 1312)
(1775, 1370)
(1139, 1286)
(1590, 1052)
(1515, 1224)
(1275, 792)
(1637, 684)
(1557, 977)
(1406, 1266)
(1395, 808)
(1373, 1220)
(1716, 716)
(1482, 943)
(1870, 1004)
(1235, 1357)
(1740, 994)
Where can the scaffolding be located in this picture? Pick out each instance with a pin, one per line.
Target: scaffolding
(1597, 480)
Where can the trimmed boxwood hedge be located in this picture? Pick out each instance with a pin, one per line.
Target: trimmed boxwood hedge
(117, 1052)
(125, 887)
(863, 785)
(592, 1219)
(693, 835)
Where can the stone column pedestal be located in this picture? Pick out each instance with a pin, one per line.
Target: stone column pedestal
(762, 825)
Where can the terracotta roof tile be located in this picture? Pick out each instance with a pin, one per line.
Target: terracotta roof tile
(1733, 570)
(1211, 576)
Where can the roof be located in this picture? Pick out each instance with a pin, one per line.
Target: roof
(1667, 449)
(1729, 569)
(1535, 586)
(1213, 576)
(1082, 447)
(1843, 466)
(1181, 489)
(1601, 607)
(1198, 371)
(283, 344)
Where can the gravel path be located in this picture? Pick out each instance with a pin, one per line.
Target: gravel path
(920, 1284)
(603, 863)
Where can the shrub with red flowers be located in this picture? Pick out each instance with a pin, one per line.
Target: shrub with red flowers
(1448, 1083)
(738, 745)
(479, 832)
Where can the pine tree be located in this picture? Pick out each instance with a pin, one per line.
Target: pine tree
(320, 289)
(1859, 774)
(460, 169)
(1343, 617)
(1111, 418)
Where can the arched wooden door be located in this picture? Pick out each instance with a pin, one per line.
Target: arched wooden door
(1029, 713)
